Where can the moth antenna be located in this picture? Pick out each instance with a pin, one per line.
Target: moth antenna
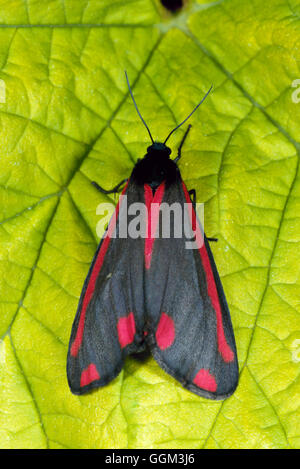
(137, 108)
(179, 125)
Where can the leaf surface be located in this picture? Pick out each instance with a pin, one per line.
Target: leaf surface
(68, 119)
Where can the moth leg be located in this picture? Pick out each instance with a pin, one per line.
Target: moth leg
(110, 191)
(192, 194)
(181, 144)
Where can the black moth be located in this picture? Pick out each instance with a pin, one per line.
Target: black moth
(153, 293)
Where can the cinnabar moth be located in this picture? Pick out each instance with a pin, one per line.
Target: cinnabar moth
(153, 293)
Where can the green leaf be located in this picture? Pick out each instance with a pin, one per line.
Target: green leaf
(68, 119)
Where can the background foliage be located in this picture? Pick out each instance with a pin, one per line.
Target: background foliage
(68, 119)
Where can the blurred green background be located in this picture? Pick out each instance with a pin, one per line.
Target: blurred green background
(66, 118)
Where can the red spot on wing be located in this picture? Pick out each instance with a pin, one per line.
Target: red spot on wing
(223, 347)
(126, 330)
(205, 380)
(165, 332)
(89, 375)
(153, 206)
(92, 282)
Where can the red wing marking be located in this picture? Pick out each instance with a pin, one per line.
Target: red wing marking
(126, 330)
(205, 380)
(224, 348)
(153, 206)
(92, 282)
(165, 332)
(89, 375)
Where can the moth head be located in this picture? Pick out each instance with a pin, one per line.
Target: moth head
(158, 149)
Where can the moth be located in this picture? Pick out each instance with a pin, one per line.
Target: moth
(153, 293)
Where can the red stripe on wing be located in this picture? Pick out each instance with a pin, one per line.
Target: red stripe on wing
(224, 348)
(92, 282)
(153, 206)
